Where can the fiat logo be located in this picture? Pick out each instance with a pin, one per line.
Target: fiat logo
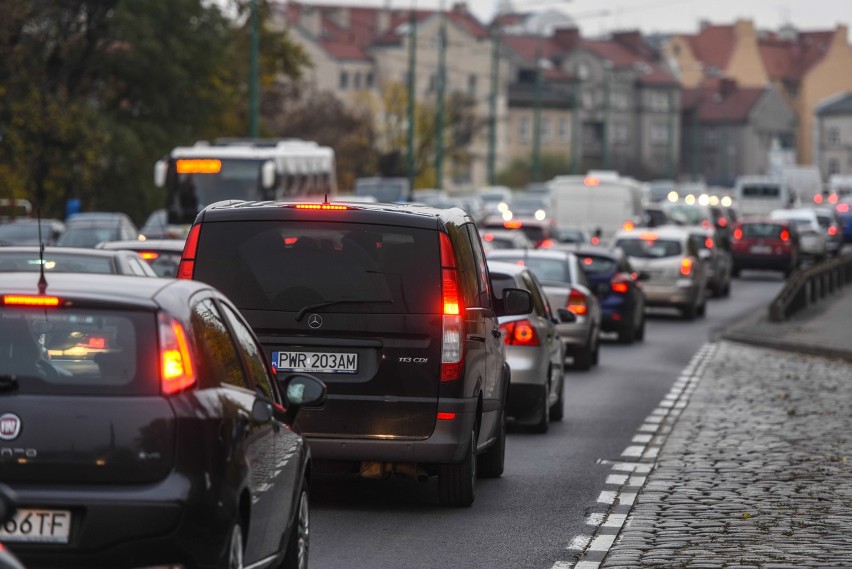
(315, 321)
(10, 426)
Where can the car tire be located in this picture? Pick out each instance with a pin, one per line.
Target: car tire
(457, 482)
(701, 311)
(298, 546)
(596, 353)
(689, 312)
(583, 358)
(627, 335)
(735, 272)
(490, 463)
(640, 331)
(544, 422)
(557, 411)
(234, 552)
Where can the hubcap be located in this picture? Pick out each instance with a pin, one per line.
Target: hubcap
(235, 554)
(304, 530)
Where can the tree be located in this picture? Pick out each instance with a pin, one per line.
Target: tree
(518, 173)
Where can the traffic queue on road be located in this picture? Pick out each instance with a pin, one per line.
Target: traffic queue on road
(280, 341)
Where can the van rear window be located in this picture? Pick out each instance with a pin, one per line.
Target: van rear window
(362, 268)
(78, 352)
(760, 191)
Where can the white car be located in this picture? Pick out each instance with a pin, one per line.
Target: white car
(813, 239)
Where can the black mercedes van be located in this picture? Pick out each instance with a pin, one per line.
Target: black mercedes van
(392, 307)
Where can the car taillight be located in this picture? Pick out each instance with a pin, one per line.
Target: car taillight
(832, 230)
(818, 198)
(709, 243)
(577, 303)
(621, 283)
(843, 208)
(706, 224)
(519, 333)
(177, 372)
(546, 244)
(628, 226)
(832, 198)
(186, 268)
(452, 343)
(785, 235)
(686, 266)
(722, 222)
(738, 234)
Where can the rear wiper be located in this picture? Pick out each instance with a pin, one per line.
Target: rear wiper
(8, 383)
(305, 309)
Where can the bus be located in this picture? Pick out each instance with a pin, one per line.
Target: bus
(243, 169)
(757, 196)
(15, 208)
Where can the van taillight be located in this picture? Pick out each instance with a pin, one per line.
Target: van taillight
(186, 268)
(452, 343)
(686, 266)
(785, 235)
(177, 371)
(519, 333)
(577, 303)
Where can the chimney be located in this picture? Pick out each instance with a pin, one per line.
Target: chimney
(631, 40)
(310, 19)
(340, 15)
(566, 38)
(383, 19)
(727, 87)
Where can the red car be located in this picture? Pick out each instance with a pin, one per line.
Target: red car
(767, 244)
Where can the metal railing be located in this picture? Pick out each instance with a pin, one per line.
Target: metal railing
(808, 286)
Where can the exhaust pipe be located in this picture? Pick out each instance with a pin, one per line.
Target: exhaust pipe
(382, 470)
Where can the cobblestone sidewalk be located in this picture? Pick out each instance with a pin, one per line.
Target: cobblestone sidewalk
(757, 471)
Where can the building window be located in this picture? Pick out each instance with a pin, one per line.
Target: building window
(545, 129)
(433, 83)
(368, 80)
(344, 80)
(358, 80)
(525, 129)
(618, 100)
(619, 133)
(564, 129)
(588, 100)
(711, 138)
(658, 101)
(833, 166)
(833, 136)
(659, 134)
(471, 86)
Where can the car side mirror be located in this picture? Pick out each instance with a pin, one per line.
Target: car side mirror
(515, 301)
(300, 390)
(261, 411)
(7, 503)
(566, 316)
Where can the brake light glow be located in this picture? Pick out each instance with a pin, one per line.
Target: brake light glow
(709, 243)
(722, 222)
(577, 303)
(29, 300)
(596, 240)
(546, 244)
(442, 416)
(818, 198)
(488, 237)
(176, 368)
(843, 208)
(199, 166)
(832, 230)
(628, 226)
(512, 224)
(686, 266)
(785, 235)
(186, 268)
(519, 333)
(705, 223)
(96, 342)
(738, 234)
(149, 255)
(588, 261)
(621, 283)
(832, 198)
(648, 236)
(452, 345)
(591, 181)
(323, 206)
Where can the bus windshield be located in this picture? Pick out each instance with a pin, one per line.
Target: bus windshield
(230, 179)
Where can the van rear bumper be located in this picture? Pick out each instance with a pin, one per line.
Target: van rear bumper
(447, 443)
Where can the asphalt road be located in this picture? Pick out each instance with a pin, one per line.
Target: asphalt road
(527, 518)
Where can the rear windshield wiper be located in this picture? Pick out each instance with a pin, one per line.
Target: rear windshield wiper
(305, 309)
(8, 383)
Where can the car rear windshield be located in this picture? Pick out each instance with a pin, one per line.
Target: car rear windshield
(650, 248)
(30, 262)
(87, 236)
(593, 264)
(273, 265)
(78, 352)
(547, 270)
(762, 230)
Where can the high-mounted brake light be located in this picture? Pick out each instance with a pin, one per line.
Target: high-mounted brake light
(519, 333)
(177, 372)
(149, 255)
(512, 224)
(452, 344)
(591, 181)
(577, 303)
(324, 206)
(198, 166)
(29, 300)
(186, 268)
(648, 236)
(722, 222)
(686, 266)
(628, 225)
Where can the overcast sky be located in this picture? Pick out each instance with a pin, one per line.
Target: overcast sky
(601, 16)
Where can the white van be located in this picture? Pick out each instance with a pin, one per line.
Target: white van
(803, 181)
(601, 202)
(760, 195)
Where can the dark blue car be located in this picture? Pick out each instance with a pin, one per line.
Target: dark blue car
(844, 212)
(616, 285)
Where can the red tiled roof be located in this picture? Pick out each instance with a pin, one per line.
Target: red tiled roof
(713, 45)
(791, 59)
(341, 50)
(735, 106)
(527, 46)
(650, 72)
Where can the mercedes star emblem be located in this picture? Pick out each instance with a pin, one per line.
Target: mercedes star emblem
(315, 321)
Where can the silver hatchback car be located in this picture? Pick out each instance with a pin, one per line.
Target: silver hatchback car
(534, 352)
(566, 286)
(676, 277)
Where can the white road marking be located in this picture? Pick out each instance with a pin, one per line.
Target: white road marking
(617, 479)
(602, 543)
(652, 452)
(607, 497)
(658, 411)
(563, 565)
(595, 519)
(580, 542)
(633, 451)
(636, 481)
(649, 427)
(642, 438)
(587, 565)
(626, 498)
(666, 403)
(615, 520)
